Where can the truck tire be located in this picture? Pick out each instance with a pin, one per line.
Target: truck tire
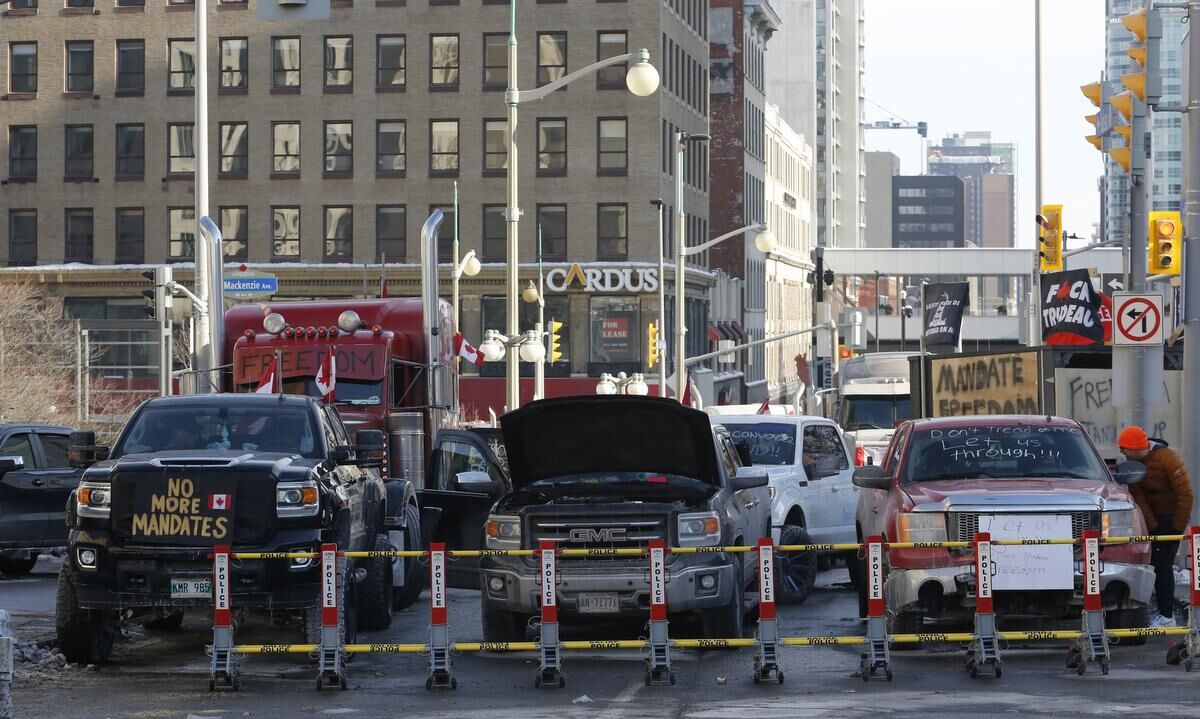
(501, 625)
(795, 572)
(1127, 619)
(375, 592)
(172, 622)
(905, 623)
(15, 567)
(729, 621)
(414, 578)
(347, 612)
(857, 567)
(85, 636)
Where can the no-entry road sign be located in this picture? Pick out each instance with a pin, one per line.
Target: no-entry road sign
(1137, 319)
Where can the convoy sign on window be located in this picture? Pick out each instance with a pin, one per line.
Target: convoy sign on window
(992, 384)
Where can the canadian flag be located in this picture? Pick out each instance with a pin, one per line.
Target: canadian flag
(266, 385)
(220, 502)
(326, 380)
(765, 408)
(466, 350)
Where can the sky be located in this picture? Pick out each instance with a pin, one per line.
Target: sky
(969, 65)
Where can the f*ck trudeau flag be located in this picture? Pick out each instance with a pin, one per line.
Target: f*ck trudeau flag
(1070, 309)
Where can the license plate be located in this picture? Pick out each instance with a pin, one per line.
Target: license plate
(189, 588)
(599, 603)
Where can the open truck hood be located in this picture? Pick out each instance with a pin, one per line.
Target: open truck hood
(580, 435)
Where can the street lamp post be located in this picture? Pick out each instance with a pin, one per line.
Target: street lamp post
(681, 252)
(764, 241)
(469, 266)
(662, 301)
(641, 79)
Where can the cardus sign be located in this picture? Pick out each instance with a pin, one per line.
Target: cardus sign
(603, 279)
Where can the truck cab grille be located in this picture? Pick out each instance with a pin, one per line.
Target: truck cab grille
(575, 532)
(962, 526)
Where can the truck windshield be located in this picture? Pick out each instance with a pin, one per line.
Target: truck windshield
(1003, 452)
(263, 428)
(348, 391)
(863, 411)
(769, 442)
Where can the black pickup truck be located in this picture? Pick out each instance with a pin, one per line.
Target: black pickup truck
(262, 473)
(36, 479)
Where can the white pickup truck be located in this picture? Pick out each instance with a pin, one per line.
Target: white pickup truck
(813, 500)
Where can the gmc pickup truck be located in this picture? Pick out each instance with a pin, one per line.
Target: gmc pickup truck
(619, 471)
(1015, 477)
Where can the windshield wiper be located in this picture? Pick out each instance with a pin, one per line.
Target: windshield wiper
(1059, 473)
(957, 475)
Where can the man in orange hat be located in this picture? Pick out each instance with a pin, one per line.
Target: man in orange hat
(1165, 497)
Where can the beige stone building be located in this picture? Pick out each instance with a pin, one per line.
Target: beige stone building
(332, 141)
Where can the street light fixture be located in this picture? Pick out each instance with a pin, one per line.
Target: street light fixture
(642, 79)
(530, 294)
(634, 384)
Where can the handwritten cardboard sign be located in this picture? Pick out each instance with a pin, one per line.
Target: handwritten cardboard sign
(179, 510)
(994, 384)
(1088, 397)
(1039, 566)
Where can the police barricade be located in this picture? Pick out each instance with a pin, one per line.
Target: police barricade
(983, 655)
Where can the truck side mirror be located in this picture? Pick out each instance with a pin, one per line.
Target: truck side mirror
(368, 446)
(83, 451)
(1129, 472)
(480, 482)
(749, 478)
(871, 477)
(7, 464)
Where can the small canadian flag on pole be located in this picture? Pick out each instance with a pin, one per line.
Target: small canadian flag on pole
(766, 407)
(266, 384)
(220, 502)
(326, 379)
(466, 350)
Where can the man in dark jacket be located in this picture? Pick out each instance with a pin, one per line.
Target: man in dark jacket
(1165, 497)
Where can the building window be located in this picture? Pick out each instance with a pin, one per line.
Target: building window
(339, 233)
(495, 233)
(285, 141)
(552, 224)
(390, 232)
(131, 3)
(446, 232)
(389, 61)
(612, 232)
(235, 58)
(612, 146)
(443, 62)
(131, 150)
(495, 146)
(80, 235)
(22, 152)
(285, 62)
(181, 60)
(131, 235)
(131, 66)
(22, 67)
(285, 233)
(339, 62)
(610, 44)
(551, 56)
(552, 146)
(79, 151)
(181, 153)
(181, 232)
(22, 237)
(339, 150)
(390, 143)
(495, 61)
(614, 331)
(443, 147)
(79, 66)
(234, 232)
(234, 148)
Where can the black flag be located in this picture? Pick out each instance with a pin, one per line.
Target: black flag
(1070, 309)
(944, 307)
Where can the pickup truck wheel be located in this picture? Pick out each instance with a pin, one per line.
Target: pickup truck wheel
(85, 636)
(375, 592)
(728, 622)
(795, 572)
(414, 578)
(1127, 619)
(501, 625)
(17, 567)
(857, 567)
(347, 612)
(905, 623)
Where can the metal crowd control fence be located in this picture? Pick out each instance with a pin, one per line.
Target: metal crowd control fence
(983, 644)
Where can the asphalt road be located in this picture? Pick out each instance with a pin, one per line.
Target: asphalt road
(164, 676)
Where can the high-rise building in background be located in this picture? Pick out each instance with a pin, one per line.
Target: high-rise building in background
(928, 211)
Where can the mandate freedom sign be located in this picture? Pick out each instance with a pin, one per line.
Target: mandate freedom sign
(180, 510)
(992, 384)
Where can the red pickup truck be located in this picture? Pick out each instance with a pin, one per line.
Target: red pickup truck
(1015, 477)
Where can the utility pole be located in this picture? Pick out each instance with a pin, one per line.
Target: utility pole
(207, 352)
(1033, 324)
(1191, 264)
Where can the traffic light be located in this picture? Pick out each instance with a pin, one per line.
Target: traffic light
(923, 129)
(1166, 243)
(158, 296)
(1146, 82)
(1093, 92)
(555, 350)
(845, 352)
(651, 345)
(1096, 140)
(1050, 238)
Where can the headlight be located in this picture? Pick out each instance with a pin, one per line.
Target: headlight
(503, 532)
(702, 529)
(94, 499)
(921, 527)
(296, 499)
(1120, 523)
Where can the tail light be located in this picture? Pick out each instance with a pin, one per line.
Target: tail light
(860, 457)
